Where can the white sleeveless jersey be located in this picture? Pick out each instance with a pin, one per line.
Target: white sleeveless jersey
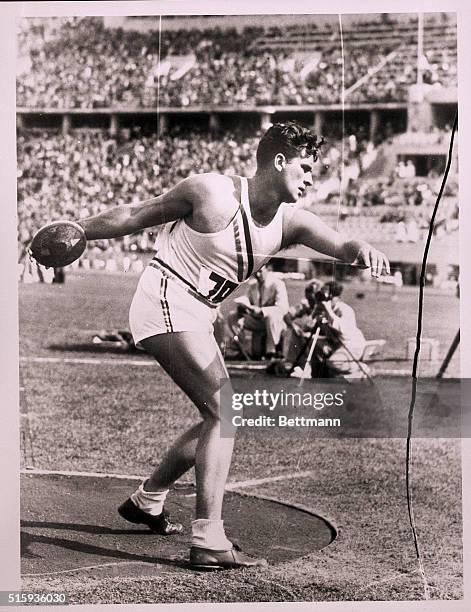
(211, 265)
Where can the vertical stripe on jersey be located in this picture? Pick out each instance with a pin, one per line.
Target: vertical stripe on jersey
(248, 242)
(240, 259)
(165, 306)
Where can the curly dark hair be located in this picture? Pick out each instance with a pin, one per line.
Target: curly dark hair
(289, 138)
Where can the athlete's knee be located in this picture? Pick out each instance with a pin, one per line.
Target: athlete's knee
(214, 411)
(210, 411)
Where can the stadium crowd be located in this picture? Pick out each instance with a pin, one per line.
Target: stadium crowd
(80, 174)
(75, 176)
(77, 63)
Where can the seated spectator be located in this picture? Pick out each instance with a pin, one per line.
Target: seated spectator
(410, 169)
(261, 311)
(342, 343)
(401, 171)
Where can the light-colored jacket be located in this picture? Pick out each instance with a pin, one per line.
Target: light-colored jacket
(273, 294)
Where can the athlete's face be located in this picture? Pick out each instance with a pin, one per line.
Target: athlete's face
(296, 177)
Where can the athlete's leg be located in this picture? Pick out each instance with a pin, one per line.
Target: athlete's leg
(178, 459)
(194, 362)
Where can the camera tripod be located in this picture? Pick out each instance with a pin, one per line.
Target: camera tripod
(312, 340)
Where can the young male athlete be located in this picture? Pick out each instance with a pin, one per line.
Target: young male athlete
(216, 231)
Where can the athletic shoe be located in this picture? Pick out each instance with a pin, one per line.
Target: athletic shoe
(206, 559)
(160, 524)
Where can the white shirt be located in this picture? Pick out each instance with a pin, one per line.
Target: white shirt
(345, 323)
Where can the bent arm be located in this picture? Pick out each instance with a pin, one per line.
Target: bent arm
(124, 220)
(308, 229)
(303, 227)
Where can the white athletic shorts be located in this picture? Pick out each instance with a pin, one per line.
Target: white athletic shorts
(161, 305)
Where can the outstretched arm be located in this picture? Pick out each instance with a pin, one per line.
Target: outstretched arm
(123, 220)
(303, 227)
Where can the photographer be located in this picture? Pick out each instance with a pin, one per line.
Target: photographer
(342, 343)
(300, 320)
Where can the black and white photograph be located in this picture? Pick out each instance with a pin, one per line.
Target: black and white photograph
(238, 271)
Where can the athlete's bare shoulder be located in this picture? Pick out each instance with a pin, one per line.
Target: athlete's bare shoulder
(209, 185)
(214, 199)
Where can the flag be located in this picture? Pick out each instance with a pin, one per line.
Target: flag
(181, 64)
(310, 64)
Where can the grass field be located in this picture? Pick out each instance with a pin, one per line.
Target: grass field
(109, 416)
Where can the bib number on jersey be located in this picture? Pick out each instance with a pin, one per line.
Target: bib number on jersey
(213, 286)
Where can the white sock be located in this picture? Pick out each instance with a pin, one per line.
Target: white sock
(209, 533)
(151, 502)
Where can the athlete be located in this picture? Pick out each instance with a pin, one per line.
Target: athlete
(216, 232)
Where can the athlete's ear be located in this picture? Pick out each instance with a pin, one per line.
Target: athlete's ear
(279, 162)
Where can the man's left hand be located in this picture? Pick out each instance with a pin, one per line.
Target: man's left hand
(369, 257)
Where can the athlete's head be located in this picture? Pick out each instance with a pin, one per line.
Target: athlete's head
(289, 151)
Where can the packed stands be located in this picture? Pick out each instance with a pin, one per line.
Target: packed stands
(77, 63)
(75, 176)
(78, 176)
